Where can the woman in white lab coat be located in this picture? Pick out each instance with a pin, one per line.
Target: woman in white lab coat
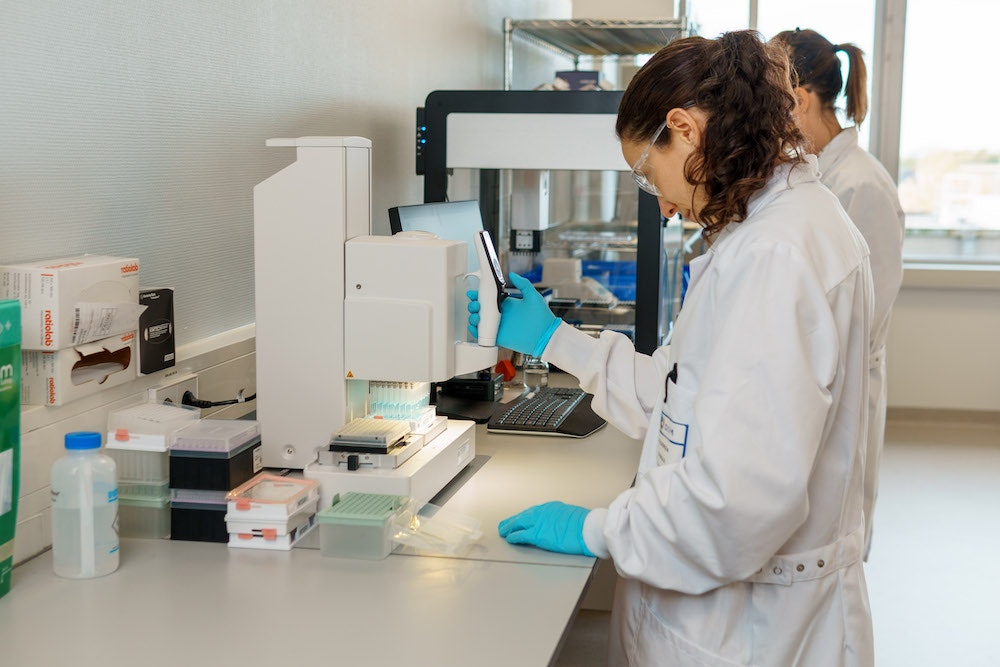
(740, 541)
(865, 190)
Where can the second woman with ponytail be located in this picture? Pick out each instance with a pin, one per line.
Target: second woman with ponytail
(865, 190)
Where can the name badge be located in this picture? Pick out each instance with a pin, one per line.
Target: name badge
(673, 440)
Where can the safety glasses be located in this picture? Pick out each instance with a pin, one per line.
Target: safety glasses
(637, 174)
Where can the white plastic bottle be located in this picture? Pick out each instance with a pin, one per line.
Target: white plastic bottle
(84, 509)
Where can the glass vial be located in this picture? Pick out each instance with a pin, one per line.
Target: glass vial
(536, 373)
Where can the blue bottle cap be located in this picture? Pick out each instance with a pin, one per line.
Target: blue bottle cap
(82, 440)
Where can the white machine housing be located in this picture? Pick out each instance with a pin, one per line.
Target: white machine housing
(334, 303)
(405, 311)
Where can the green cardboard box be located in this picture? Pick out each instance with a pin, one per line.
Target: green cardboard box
(10, 433)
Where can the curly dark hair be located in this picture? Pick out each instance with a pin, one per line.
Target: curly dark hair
(743, 85)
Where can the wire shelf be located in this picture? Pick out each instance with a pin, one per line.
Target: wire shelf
(600, 37)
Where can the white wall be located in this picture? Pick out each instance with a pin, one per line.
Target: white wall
(137, 128)
(944, 341)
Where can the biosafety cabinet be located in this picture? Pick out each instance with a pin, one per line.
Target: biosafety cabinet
(557, 194)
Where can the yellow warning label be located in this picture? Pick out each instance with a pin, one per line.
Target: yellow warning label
(350, 374)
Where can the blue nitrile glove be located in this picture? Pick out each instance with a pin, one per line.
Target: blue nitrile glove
(526, 324)
(553, 526)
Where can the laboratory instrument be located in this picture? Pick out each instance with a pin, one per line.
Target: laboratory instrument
(331, 320)
(560, 203)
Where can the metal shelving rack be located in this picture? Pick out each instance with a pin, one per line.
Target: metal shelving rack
(576, 38)
(615, 38)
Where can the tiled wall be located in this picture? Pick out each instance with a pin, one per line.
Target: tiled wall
(221, 372)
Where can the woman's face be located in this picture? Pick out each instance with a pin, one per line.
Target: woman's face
(664, 169)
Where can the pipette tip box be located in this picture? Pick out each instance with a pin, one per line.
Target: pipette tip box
(215, 454)
(198, 515)
(359, 525)
(269, 496)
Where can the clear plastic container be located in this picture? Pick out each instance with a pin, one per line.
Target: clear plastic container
(141, 467)
(215, 435)
(84, 509)
(145, 517)
(142, 491)
(149, 426)
(536, 373)
(359, 525)
(139, 437)
(432, 530)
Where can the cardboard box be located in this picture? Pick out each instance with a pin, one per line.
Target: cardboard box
(10, 433)
(156, 330)
(74, 300)
(60, 376)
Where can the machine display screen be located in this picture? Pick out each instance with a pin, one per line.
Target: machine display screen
(452, 220)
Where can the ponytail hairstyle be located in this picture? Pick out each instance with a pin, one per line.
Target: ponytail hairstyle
(743, 85)
(817, 68)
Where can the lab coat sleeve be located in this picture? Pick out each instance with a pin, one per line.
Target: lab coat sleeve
(760, 407)
(624, 382)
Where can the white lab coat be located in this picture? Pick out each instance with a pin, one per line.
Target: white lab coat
(746, 550)
(868, 194)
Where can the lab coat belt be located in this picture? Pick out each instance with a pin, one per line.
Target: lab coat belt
(876, 358)
(786, 569)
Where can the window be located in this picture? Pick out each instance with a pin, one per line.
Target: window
(709, 19)
(845, 21)
(949, 147)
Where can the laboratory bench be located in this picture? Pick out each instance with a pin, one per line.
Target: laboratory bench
(173, 602)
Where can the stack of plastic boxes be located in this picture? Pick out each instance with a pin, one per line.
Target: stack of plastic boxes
(271, 512)
(207, 459)
(360, 525)
(139, 438)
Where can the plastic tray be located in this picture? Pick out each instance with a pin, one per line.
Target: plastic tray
(216, 435)
(359, 525)
(144, 518)
(149, 427)
(273, 542)
(270, 496)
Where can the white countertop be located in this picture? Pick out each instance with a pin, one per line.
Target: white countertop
(174, 603)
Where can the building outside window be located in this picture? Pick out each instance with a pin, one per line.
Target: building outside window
(949, 144)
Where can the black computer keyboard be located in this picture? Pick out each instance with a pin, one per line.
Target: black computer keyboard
(542, 411)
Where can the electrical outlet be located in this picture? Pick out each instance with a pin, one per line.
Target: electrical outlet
(171, 389)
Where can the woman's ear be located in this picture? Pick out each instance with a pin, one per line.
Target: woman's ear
(803, 100)
(686, 124)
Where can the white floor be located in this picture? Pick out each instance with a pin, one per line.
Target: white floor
(934, 569)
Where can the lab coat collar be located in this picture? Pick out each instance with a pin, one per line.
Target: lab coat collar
(786, 176)
(838, 147)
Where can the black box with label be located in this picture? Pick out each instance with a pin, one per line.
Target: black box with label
(156, 330)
